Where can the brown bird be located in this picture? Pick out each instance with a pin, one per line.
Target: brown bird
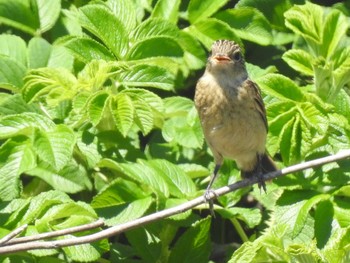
(232, 113)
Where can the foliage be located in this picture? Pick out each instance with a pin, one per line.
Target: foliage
(97, 121)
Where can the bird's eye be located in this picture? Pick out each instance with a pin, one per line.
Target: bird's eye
(237, 56)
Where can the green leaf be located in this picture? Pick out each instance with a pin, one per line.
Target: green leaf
(184, 130)
(304, 211)
(39, 51)
(14, 104)
(20, 15)
(86, 49)
(16, 157)
(125, 11)
(14, 48)
(194, 245)
(156, 46)
(123, 213)
(248, 23)
(334, 29)
(306, 20)
(13, 125)
(48, 12)
(153, 245)
(110, 29)
(41, 203)
(118, 192)
(123, 112)
(56, 146)
(98, 106)
(211, 30)
(323, 222)
(299, 60)
(194, 55)
(199, 10)
(153, 27)
(143, 116)
(144, 174)
(146, 76)
(70, 179)
(167, 9)
(11, 73)
(252, 217)
(280, 87)
(43, 81)
(86, 252)
(180, 185)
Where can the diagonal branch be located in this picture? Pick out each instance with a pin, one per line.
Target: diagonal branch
(112, 231)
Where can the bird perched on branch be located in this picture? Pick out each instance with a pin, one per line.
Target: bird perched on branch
(232, 113)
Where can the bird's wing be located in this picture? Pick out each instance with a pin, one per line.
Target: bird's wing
(254, 90)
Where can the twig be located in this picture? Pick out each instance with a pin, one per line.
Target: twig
(8, 237)
(56, 233)
(112, 231)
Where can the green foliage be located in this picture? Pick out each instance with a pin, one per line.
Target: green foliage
(97, 121)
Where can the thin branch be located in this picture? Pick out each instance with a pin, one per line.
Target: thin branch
(115, 230)
(57, 233)
(8, 237)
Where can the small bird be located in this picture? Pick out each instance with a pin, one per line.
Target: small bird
(232, 113)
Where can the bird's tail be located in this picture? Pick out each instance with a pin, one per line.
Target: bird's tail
(267, 164)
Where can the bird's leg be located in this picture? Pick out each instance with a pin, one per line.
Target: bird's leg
(259, 173)
(208, 192)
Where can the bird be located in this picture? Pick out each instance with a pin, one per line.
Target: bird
(232, 114)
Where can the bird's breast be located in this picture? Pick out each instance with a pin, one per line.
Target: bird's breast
(230, 121)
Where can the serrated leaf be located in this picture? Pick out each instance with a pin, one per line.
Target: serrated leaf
(123, 112)
(14, 104)
(123, 213)
(16, 157)
(304, 211)
(87, 49)
(299, 60)
(167, 9)
(324, 213)
(145, 175)
(146, 76)
(43, 81)
(155, 46)
(193, 245)
(40, 203)
(248, 23)
(39, 51)
(24, 123)
(125, 11)
(180, 185)
(19, 14)
(56, 146)
(153, 27)
(199, 10)
(251, 217)
(70, 179)
(97, 106)
(83, 253)
(11, 73)
(152, 99)
(281, 87)
(48, 12)
(144, 118)
(118, 192)
(211, 30)
(177, 106)
(109, 29)
(13, 47)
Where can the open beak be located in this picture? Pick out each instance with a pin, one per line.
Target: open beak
(222, 59)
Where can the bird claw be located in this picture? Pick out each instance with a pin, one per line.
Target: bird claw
(261, 182)
(208, 197)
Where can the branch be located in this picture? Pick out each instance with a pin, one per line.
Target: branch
(115, 230)
(11, 235)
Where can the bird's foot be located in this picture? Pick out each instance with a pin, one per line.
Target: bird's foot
(208, 197)
(261, 182)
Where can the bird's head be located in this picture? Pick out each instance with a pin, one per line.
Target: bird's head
(225, 56)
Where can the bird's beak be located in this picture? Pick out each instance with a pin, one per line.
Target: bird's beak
(221, 59)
